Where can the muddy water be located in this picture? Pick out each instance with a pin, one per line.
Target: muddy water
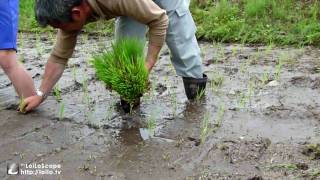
(262, 108)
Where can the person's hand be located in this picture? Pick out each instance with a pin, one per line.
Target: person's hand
(30, 103)
(149, 65)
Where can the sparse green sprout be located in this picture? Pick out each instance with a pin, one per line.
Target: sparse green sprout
(61, 111)
(174, 101)
(243, 98)
(288, 166)
(279, 67)
(39, 47)
(265, 78)
(74, 73)
(216, 81)
(86, 98)
(243, 67)
(220, 115)
(123, 69)
(205, 128)
(200, 95)
(151, 123)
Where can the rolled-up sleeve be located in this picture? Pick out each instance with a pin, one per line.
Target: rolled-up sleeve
(146, 12)
(64, 47)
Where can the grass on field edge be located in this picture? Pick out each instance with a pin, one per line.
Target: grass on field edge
(279, 22)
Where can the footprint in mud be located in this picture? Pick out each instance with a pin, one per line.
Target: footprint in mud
(239, 151)
(161, 88)
(303, 81)
(230, 71)
(256, 178)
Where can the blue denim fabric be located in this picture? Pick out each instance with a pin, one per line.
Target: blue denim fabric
(9, 12)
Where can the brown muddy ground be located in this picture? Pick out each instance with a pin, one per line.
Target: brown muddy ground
(262, 108)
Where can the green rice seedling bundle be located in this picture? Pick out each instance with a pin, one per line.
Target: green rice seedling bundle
(123, 69)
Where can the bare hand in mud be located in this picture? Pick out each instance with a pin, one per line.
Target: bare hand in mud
(30, 103)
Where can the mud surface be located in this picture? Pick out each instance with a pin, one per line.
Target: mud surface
(261, 108)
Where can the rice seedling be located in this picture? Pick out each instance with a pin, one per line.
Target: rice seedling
(166, 156)
(200, 95)
(216, 82)
(265, 78)
(251, 88)
(220, 115)
(244, 67)
(205, 128)
(234, 51)
(74, 73)
(220, 56)
(289, 166)
(279, 66)
(174, 101)
(22, 105)
(57, 93)
(151, 123)
(39, 47)
(110, 109)
(61, 111)
(86, 98)
(123, 69)
(245, 97)
(255, 58)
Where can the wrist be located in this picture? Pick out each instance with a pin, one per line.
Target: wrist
(41, 94)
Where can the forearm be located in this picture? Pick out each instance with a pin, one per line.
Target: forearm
(52, 74)
(19, 77)
(152, 55)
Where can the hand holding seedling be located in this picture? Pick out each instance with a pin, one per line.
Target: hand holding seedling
(30, 103)
(52, 74)
(22, 105)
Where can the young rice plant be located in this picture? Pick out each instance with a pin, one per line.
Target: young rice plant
(123, 69)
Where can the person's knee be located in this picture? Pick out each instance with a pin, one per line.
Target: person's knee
(8, 60)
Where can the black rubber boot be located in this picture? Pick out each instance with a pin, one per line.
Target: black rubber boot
(126, 106)
(194, 87)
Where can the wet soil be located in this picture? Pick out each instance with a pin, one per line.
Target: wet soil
(260, 118)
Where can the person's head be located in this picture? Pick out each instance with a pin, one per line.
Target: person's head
(67, 15)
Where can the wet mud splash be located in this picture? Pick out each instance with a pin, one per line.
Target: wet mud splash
(260, 118)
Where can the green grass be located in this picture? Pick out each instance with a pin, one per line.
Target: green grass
(281, 22)
(123, 69)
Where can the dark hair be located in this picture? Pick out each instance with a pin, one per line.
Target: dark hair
(47, 11)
